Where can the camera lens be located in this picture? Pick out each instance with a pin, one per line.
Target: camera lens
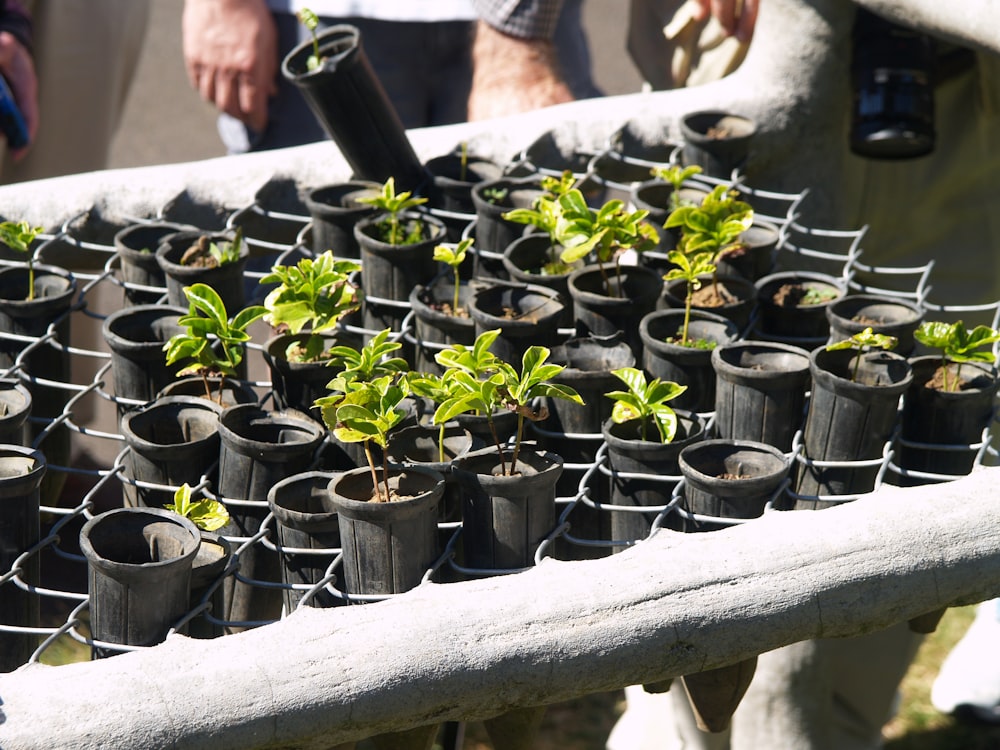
(893, 114)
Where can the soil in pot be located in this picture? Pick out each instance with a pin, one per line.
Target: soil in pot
(792, 307)
(527, 315)
(717, 141)
(732, 297)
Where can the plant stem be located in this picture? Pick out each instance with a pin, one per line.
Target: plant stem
(371, 467)
(496, 441)
(454, 304)
(441, 443)
(385, 474)
(517, 442)
(688, 301)
(31, 279)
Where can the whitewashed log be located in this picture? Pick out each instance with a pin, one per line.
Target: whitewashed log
(672, 605)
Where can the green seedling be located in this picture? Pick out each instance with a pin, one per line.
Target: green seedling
(545, 214)
(646, 402)
(357, 366)
(311, 21)
(690, 268)
(454, 257)
(18, 236)
(433, 388)
(495, 195)
(480, 381)
(368, 414)
(207, 325)
(607, 232)
(958, 345)
(207, 514)
(313, 295)
(861, 342)
(393, 230)
(676, 175)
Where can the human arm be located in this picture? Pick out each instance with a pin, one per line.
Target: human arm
(231, 56)
(514, 61)
(18, 68)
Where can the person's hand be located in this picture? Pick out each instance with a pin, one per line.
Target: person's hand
(512, 75)
(19, 70)
(231, 56)
(737, 17)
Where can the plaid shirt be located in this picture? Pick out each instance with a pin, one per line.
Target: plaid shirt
(527, 19)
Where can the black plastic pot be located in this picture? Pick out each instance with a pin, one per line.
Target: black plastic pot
(297, 385)
(421, 445)
(139, 573)
(740, 291)
(644, 474)
(718, 142)
(784, 319)
(55, 290)
(607, 302)
(172, 441)
(450, 192)
(524, 259)
(391, 271)
(760, 391)
(755, 256)
(349, 102)
(892, 316)
(493, 233)
(436, 329)
(227, 280)
(233, 391)
(209, 565)
(21, 473)
(15, 404)
(387, 546)
(729, 479)
(259, 448)
(573, 431)
(308, 535)
(506, 517)
(335, 210)
(946, 419)
(656, 196)
(526, 315)
(684, 365)
(848, 421)
(145, 283)
(135, 336)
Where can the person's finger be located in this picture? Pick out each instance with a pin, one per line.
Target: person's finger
(725, 13)
(747, 21)
(702, 9)
(227, 93)
(253, 103)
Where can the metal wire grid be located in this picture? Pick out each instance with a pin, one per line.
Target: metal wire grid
(97, 259)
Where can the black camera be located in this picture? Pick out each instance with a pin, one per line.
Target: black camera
(892, 74)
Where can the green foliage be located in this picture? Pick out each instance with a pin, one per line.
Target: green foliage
(646, 402)
(545, 215)
(495, 194)
(863, 341)
(715, 226)
(454, 257)
(363, 405)
(227, 252)
(392, 229)
(208, 323)
(676, 175)
(207, 514)
(312, 295)
(311, 21)
(958, 344)
(356, 366)
(18, 236)
(690, 268)
(475, 380)
(606, 232)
